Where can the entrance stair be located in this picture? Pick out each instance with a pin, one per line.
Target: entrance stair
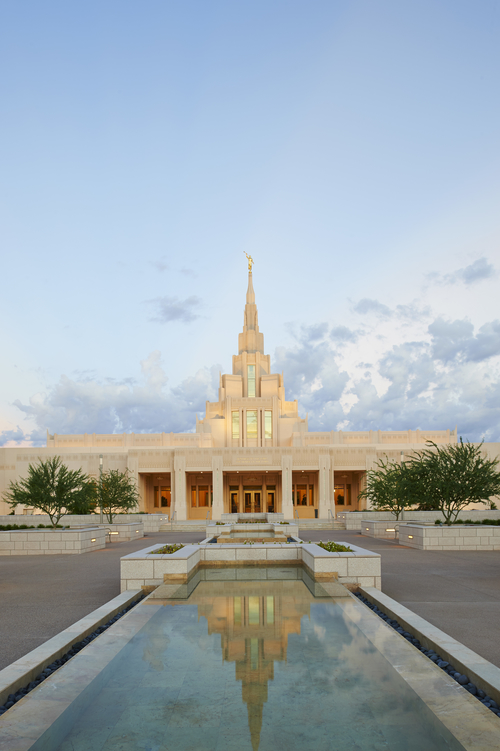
(319, 524)
(196, 525)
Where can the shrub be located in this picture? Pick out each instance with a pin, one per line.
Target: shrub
(335, 547)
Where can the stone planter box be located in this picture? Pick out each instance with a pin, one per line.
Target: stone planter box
(385, 530)
(353, 520)
(121, 532)
(456, 537)
(140, 569)
(151, 522)
(52, 542)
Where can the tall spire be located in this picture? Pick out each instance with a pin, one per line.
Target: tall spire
(250, 340)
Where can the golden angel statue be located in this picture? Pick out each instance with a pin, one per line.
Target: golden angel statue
(250, 261)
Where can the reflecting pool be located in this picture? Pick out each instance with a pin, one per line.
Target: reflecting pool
(270, 664)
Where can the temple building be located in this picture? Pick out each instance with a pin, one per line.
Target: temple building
(252, 451)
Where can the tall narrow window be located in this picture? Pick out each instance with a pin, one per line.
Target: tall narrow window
(268, 418)
(236, 423)
(251, 423)
(251, 380)
(203, 495)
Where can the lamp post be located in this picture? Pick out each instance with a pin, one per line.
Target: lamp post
(402, 510)
(100, 486)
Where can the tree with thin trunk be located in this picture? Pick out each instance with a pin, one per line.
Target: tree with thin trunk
(116, 492)
(53, 489)
(388, 487)
(451, 477)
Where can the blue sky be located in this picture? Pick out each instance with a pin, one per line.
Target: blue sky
(351, 147)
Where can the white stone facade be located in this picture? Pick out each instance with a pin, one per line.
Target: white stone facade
(252, 452)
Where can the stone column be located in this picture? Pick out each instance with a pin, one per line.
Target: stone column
(286, 486)
(217, 486)
(371, 460)
(326, 493)
(179, 489)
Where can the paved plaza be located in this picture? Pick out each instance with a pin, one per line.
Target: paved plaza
(457, 591)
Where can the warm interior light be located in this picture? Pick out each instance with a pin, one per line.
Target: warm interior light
(114, 533)
(367, 529)
(93, 539)
(410, 537)
(136, 531)
(390, 530)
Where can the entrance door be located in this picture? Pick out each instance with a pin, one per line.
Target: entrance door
(252, 501)
(270, 501)
(234, 501)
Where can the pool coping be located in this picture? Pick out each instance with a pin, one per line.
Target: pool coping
(481, 672)
(24, 670)
(472, 724)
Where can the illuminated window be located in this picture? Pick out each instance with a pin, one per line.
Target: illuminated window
(268, 422)
(251, 380)
(203, 495)
(301, 491)
(251, 423)
(340, 495)
(236, 423)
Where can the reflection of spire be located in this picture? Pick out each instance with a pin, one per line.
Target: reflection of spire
(254, 622)
(255, 723)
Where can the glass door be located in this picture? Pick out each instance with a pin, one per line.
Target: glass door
(234, 501)
(248, 501)
(256, 502)
(253, 504)
(270, 501)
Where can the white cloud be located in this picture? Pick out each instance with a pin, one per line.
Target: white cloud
(455, 340)
(169, 309)
(88, 405)
(393, 375)
(477, 271)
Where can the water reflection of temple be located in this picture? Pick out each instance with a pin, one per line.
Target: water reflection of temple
(254, 624)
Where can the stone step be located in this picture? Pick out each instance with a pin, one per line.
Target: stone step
(197, 526)
(184, 526)
(319, 524)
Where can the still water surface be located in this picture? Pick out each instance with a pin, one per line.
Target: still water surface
(247, 665)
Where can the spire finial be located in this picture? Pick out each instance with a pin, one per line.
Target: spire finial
(250, 261)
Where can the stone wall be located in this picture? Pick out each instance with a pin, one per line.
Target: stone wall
(455, 537)
(151, 522)
(52, 542)
(140, 569)
(353, 520)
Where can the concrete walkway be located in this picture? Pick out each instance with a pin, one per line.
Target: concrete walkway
(41, 595)
(459, 592)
